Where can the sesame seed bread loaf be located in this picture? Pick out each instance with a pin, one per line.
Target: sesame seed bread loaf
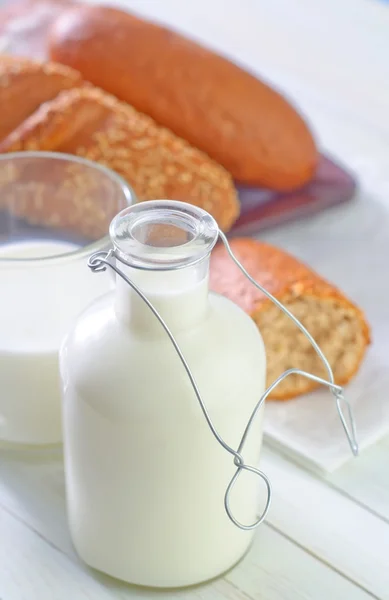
(337, 325)
(25, 84)
(235, 118)
(90, 123)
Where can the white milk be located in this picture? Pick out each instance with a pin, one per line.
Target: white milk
(145, 477)
(39, 301)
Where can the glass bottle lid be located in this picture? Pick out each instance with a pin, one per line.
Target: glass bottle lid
(163, 235)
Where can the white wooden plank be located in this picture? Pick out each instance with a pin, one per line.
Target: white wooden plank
(31, 569)
(32, 489)
(367, 479)
(275, 569)
(329, 525)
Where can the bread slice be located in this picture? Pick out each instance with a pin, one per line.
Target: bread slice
(157, 164)
(337, 325)
(25, 85)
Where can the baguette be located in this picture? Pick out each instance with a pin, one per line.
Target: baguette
(25, 84)
(204, 98)
(337, 325)
(88, 122)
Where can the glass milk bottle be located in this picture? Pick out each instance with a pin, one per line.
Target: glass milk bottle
(146, 479)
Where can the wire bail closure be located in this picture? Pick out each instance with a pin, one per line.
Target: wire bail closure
(99, 261)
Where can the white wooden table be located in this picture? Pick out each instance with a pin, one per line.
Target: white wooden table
(325, 539)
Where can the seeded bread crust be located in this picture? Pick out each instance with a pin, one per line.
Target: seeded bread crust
(25, 85)
(90, 123)
(335, 322)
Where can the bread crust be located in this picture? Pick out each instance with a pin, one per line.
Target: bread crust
(25, 85)
(235, 118)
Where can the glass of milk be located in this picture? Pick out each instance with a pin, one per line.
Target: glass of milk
(55, 210)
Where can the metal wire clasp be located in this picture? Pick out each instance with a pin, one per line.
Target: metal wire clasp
(99, 261)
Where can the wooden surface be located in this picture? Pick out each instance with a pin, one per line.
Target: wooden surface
(325, 538)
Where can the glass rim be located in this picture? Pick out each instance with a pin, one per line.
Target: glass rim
(88, 249)
(138, 254)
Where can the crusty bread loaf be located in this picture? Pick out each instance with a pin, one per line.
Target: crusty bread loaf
(337, 325)
(218, 107)
(157, 164)
(24, 85)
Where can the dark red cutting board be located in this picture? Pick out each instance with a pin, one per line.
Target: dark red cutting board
(261, 209)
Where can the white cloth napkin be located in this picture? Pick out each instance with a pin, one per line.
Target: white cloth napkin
(308, 429)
